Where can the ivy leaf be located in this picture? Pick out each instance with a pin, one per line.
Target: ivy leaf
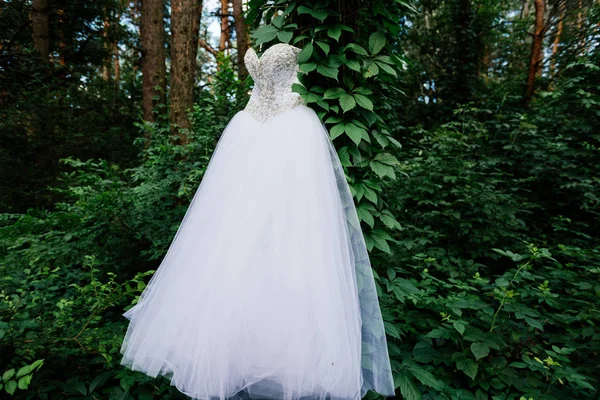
(334, 93)
(265, 34)
(333, 120)
(347, 102)
(285, 36)
(306, 53)
(380, 239)
(363, 101)
(337, 130)
(354, 132)
(334, 32)
(324, 46)
(308, 67)
(365, 215)
(376, 42)
(386, 68)
(467, 366)
(381, 139)
(327, 71)
(353, 65)
(318, 14)
(480, 350)
(386, 158)
(388, 219)
(8, 374)
(10, 387)
(24, 382)
(298, 88)
(357, 49)
(371, 69)
(382, 170)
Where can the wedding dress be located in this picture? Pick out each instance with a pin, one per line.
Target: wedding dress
(266, 290)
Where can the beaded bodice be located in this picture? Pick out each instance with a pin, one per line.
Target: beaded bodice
(274, 74)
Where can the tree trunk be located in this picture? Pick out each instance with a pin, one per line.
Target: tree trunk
(183, 49)
(224, 39)
(197, 18)
(107, 46)
(556, 43)
(241, 34)
(153, 56)
(39, 24)
(536, 48)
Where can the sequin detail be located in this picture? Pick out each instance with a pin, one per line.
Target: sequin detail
(274, 74)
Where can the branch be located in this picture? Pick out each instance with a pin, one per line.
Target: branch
(207, 47)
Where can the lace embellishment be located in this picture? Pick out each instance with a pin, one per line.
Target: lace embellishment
(274, 74)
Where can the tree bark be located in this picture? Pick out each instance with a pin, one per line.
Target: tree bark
(107, 46)
(39, 23)
(224, 39)
(197, 18)
(183, 50)
(241, 34)
(536, 48)
(556, 43)
(153, 56)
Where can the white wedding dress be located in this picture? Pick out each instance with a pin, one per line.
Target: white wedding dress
(266, 290)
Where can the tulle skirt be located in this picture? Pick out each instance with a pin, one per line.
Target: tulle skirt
(266, 290)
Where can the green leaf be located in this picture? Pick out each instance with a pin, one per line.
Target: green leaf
(24, 371)
(356, 49)
(534, 323)
(467, 366)
(459, 326)
(334, 93)
(298, 88)
(376, 42)
(347, 102)
(265, 34)
(389, 221)
(386, 158)
(425, 377)
(480, 350)
(333, 120)
(324, 46)
(337, 130)
(354, 132)
(334, 32)
(363, 101)
(380, 239)
(371, 69)
(318, 14)
(328, 71)
(308, 67)
(8, 374)
(306, 53)
(381, 139)
(382, 169)
(285, 36)
(10, 387)
(387, 68)
(408, 389)
(365, 215)
(353, 65)
(24, 382)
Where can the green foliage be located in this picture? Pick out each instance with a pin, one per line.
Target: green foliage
(494, 288)
(69, 274)
(343, 62)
